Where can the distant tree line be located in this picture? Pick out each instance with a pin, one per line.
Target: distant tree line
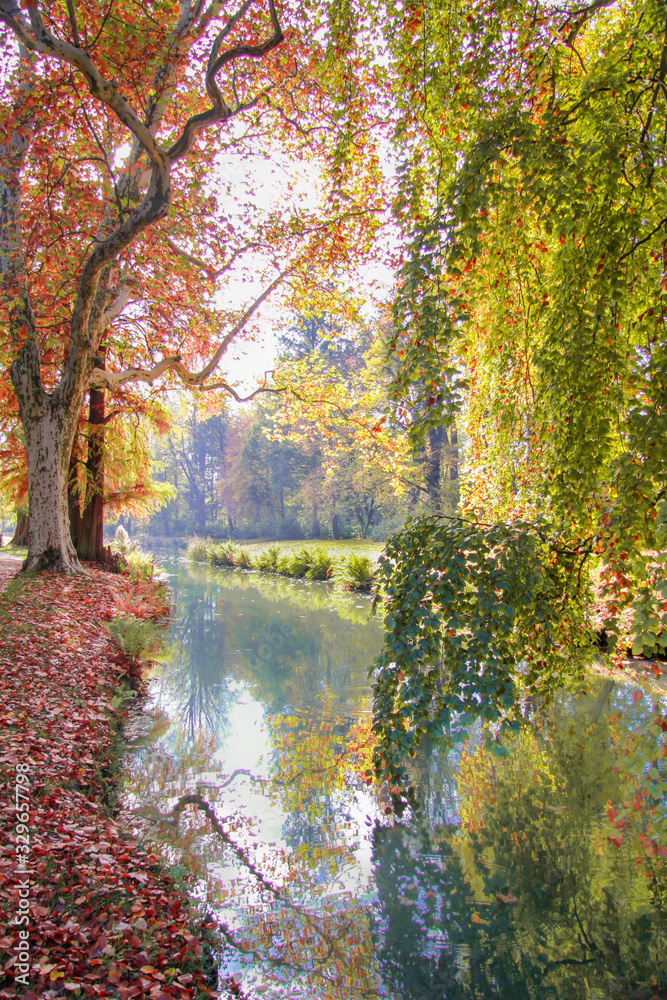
(237, 474)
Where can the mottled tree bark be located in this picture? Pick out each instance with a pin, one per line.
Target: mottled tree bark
(49, 433)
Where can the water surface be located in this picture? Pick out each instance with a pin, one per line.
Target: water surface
(524, 876)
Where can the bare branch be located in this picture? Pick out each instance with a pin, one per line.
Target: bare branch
(211, 272)
(113, 380)
(195, 380)
(129, 290)
(227, 339)
(579, 17)
(72, 21)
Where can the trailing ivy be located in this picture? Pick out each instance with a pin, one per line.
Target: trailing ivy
(531, 310)
(475, 617)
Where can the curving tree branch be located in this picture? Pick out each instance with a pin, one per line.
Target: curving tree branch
(34, 35)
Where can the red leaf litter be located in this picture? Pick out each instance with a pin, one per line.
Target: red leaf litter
(89, 914)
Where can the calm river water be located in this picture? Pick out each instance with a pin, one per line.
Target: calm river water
(524, 876)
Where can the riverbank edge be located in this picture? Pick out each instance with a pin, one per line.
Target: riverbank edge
(84, 909)
(352, 566)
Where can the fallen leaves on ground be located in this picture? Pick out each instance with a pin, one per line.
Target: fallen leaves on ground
(104, 918)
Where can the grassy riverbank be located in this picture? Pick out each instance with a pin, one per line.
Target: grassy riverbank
(349, 564)
(89, 913)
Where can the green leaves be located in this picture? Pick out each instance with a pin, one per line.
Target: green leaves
(475, 614)
(532, 296)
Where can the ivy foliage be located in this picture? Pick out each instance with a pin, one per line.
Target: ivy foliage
(473, 615)
(531, 310)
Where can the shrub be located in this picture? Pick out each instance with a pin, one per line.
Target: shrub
(267, 560)
(136, 637)
(301, 562)
(140, 565)
(242, 559)
(222, 554)
(198, 550)
(321, 567)
(122, 543)
(144, 600)
(358, 573)
(284, 566)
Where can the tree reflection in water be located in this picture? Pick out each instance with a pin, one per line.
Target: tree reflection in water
(514, 882)
(526, 896)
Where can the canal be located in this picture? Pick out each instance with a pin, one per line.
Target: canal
(536, 875)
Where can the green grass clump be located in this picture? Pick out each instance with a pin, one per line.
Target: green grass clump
(300, 563)
(222, 554)
(267, 560)
(136, 637)
(284, 566)
(197, 550)
(322, 566)
(358, 573)
(242, 559)
(141, 565)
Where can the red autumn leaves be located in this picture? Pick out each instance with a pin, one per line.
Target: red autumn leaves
(104, 920)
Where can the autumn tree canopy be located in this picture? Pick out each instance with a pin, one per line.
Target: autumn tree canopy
(125, 221)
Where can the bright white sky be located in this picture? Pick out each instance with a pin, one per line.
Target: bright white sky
(268, 178)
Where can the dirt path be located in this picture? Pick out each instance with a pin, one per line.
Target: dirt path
(9, 565)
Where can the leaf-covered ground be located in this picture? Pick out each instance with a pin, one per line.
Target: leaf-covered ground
(103, 919)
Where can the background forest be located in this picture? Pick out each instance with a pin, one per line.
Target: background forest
(256, 471)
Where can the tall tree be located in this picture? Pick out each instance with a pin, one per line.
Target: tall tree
(116, 221)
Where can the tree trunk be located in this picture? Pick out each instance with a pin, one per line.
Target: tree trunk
(22, 530)
(74, 501)
(435, 438)
(200, 510)
(49, 423)
(316, 521)
(48, 444)
(335, 530)
(453, 453)
(91, 536)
